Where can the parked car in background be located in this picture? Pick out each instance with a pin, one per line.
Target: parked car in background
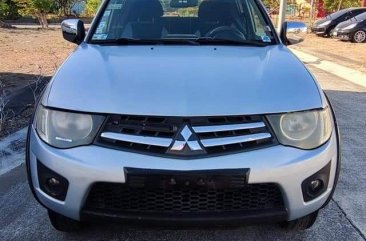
(353, 29)
(323, 27)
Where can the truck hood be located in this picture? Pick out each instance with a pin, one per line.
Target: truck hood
(183, 81)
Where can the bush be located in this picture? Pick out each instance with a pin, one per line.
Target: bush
(4, 9)
(92, 7)
(332, 6)
(8, 9)
(36, 8)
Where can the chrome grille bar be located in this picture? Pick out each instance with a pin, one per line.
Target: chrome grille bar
(233, 127)
(147, 140)
(234, 139)
(161, 135)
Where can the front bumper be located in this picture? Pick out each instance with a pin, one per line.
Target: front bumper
(319, 30)
(84, 166)
(342, 34)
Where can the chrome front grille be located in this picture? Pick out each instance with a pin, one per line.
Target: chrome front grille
(185, 137)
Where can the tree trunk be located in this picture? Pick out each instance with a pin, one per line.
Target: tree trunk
(5, 25)
(340, 4)
(45, 22)
(42, 19)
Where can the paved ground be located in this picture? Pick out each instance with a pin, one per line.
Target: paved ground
(21, 218)
(343, 52)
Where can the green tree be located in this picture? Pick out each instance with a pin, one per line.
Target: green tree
(36, 8)
(91, 7)
(335, 5)
(8, 9)
(4, 9)
(272, 4)
(64, 7)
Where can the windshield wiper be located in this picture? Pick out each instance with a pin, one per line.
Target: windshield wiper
(132, 41)
(125, 41)
(190, 41)
(209, 40)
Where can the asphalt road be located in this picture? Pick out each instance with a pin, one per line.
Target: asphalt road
(22, 218)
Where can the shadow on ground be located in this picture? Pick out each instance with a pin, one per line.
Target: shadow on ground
(22, 89)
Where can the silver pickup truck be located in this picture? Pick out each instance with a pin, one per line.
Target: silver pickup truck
(177, 112)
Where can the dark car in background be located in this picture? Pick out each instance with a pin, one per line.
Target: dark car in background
(353, 29)
(323, 27)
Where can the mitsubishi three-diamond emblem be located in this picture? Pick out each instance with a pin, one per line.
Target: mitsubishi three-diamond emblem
(186, 142)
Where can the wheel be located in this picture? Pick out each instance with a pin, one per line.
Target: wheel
(301, 223)
(327, 33)
(62, 223)
(359, 36)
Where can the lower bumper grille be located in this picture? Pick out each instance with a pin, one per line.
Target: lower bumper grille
(121, 198)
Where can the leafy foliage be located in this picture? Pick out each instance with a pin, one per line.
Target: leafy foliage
(187, 12)
(37, 8)
(91, 7)
(64, 6)
(329, 5)
(8, 9)
(332, 5)
(4, 9)
(272, 4)
(34, 7)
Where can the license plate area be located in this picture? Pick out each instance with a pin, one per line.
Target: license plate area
(205, 179)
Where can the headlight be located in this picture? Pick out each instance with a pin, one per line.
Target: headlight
(324, 24)
(350, 26)
(66, 129)
(305, 130)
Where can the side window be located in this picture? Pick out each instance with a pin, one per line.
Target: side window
(356, 12)
(102, 29)
(349, 15)
(106, 27)
(260, 28)
(257, 22)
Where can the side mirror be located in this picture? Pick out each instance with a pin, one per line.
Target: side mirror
(73, 30)
(293, 32)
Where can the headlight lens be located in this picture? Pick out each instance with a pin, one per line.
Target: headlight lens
(66, 129)
(324, 24)
(305, 130)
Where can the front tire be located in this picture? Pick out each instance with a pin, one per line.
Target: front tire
(62, 223)
(301, 223)
(359, 36)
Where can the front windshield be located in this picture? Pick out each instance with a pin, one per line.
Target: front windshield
(337, 14)
(231, 20)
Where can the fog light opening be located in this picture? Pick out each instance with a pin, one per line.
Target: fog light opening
(52, 183)
(315, 186)
(54, 186)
